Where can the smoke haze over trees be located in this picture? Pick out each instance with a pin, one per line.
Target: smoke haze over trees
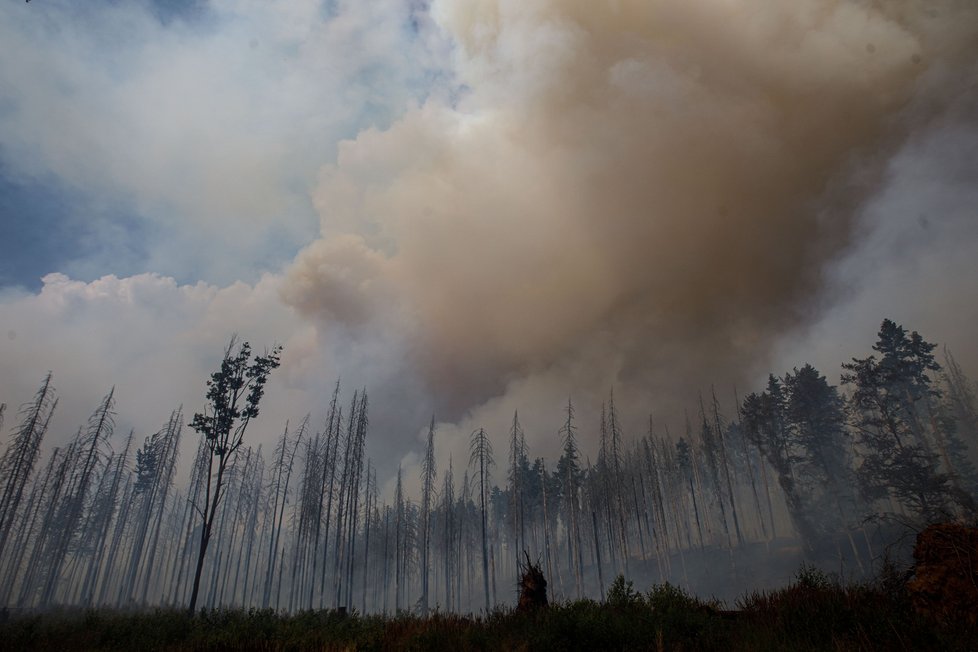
(797, 471)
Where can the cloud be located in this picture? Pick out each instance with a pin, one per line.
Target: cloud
(210, 129)
(156, 341)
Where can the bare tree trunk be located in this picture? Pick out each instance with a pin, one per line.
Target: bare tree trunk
(597, 553)
(398, 524)
(427, 488)
(17, 463)
(726, 470)
(98, 432)
(481, 457)
(26, 532)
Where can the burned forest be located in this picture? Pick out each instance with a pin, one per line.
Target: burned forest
(799, 471)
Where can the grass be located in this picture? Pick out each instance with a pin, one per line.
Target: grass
(813, 613)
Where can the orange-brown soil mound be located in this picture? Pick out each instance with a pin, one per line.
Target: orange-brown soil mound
(945, 586)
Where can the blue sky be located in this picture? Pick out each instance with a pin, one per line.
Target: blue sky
(48, 226)
(88, 187)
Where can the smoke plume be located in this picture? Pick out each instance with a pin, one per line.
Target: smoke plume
(638, 193)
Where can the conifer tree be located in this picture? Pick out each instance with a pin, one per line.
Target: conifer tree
(889, 394)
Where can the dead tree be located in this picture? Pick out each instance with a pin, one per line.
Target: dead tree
(480, 457)
(369, 507)
(448, 533)
(711, 454)
(358, 458)
(53, 505)
(26, 528)
(334, 428)
(254, 499)
(427, 489)
(105, 519)
(569, 470)
(617, 454)
(517, 481)
(398, 526)
(342, 515)
(168, 451)
(283, 470)
(724, 461)
(92, 443)
(193, 496)
(17, 463)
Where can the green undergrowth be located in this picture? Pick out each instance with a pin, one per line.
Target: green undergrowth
(813, 613)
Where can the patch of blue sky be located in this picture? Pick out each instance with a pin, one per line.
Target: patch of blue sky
(89, 225)
(48, 227)
(168, 11)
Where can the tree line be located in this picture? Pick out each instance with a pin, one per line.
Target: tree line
(101, 521)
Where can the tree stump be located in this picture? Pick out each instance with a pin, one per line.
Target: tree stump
(533, 587)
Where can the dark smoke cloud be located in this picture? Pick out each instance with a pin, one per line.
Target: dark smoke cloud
(636, 193)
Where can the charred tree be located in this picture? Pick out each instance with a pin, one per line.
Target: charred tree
(18, 461)
(427, 492)
(480, 457)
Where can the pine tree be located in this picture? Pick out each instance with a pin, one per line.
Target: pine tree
(764, 419)
(889, 393)
(815, 420)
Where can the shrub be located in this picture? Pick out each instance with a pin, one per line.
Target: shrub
(622, 594)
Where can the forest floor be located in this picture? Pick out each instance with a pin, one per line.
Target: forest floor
(812, 613)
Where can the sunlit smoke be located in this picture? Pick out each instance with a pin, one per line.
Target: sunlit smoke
(639, 194)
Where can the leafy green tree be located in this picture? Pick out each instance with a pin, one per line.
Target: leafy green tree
(764, 419)
(233, 395)
(890, 399)
(798, 423)
(814, 417)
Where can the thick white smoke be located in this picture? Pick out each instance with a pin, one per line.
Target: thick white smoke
(644, 194)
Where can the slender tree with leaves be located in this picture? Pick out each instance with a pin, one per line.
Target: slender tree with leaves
(891, 392)
(233, 395)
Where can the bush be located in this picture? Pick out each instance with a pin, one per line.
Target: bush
(810, 577)
(813, 613)
(622, 594)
